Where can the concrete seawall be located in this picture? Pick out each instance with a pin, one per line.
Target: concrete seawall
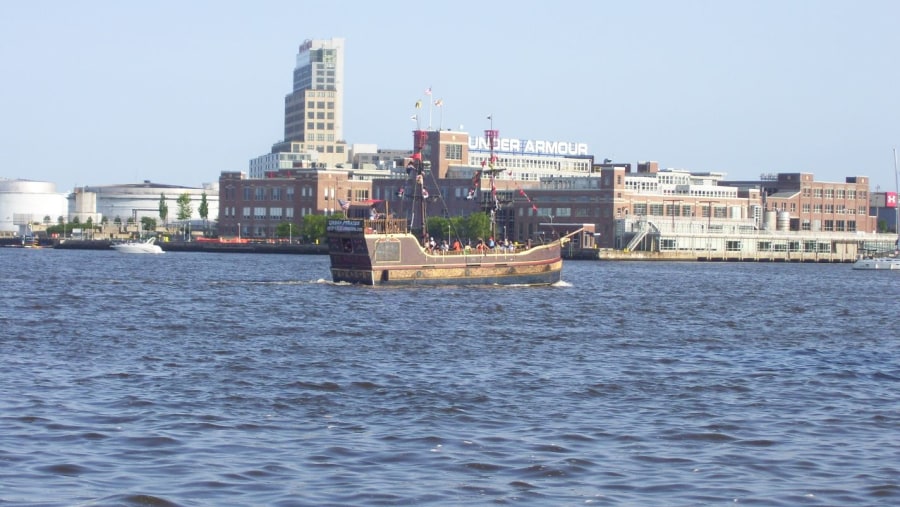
(620, 255)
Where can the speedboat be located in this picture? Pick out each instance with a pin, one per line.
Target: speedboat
(139, 247)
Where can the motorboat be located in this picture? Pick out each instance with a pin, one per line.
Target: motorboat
(148, 246)
(886, 262)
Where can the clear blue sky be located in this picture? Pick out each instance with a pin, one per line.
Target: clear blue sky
(97, 92)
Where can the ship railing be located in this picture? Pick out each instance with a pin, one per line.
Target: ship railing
(386, 225)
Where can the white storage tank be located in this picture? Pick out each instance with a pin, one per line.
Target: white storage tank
(769, 220)
(784, 221)
(29, 201)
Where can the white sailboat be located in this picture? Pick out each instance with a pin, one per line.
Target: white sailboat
(889, 261)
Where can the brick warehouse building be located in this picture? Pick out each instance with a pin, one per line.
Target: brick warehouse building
(602, 198)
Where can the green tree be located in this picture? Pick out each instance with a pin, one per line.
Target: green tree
(287, 230)
(61, 226)
(163, 208)
(185, 210)
(478, 225)
(148, 223)
(314, 227)
(203, 210)
(437, 228)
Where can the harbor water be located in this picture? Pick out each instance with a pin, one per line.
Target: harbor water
(201, 379)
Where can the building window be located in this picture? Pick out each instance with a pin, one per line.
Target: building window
(453, 151)
(259, 212)
(246, 212)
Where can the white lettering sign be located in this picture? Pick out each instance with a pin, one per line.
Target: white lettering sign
(528, 146)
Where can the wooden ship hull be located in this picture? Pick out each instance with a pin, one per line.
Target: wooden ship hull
(382, 252)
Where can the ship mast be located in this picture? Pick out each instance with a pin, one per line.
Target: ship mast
(492, 136)
(420, 194)
(896, 205)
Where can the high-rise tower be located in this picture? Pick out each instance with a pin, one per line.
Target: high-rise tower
(313, 111)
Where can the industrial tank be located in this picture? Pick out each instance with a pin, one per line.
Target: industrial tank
(24, 202)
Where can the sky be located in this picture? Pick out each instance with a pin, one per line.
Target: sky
(103, 92)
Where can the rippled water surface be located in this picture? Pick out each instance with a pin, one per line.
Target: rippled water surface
(240, 379)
